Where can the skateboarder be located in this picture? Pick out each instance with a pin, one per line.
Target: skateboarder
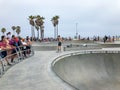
(59, 43)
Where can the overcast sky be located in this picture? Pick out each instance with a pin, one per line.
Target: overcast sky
(94, 17)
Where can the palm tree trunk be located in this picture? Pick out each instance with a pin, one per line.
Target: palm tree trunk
(13, 32)
(38, 34)
(41, 34)
(57, 30)
(31, 31)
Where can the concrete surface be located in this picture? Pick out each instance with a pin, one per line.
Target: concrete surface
(90, 71)
(33, 74)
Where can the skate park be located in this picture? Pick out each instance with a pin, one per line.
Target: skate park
(33, 32)
(77, 67)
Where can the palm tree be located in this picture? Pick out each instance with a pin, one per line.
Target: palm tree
(57, 17)
(3, 30)
(37, 28)
(39, 22)
(13, 28)
(31, 21)
(18, 27)
(55, 24)
(18, 30)
(42, 31)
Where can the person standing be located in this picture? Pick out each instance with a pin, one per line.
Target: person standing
(59, 43)
(29, 43)
(4, 46)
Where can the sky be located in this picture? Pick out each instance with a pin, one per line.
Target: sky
(93, 17)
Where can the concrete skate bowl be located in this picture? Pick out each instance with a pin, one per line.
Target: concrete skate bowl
(91, 70)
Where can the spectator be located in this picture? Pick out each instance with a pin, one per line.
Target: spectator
(24, 47)
(14, 43)
(4, 47)
(29, 43)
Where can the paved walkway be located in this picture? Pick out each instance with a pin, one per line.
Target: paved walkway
(33, 74)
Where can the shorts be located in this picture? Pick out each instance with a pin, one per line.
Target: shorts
(3, 54)
(28, 47)
(59, 43)
(13, 51)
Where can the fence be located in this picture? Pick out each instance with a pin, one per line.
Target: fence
(20, 54)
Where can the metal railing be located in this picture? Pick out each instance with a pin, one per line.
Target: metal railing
(20, 54)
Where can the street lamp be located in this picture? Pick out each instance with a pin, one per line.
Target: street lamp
(76, 31)
(54, 28)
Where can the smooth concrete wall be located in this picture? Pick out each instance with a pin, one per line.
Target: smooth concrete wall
(44, 48)
(90, 71)
(78, 46)
(109, 45)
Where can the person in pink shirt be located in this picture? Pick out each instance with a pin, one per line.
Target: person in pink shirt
(4, 46)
